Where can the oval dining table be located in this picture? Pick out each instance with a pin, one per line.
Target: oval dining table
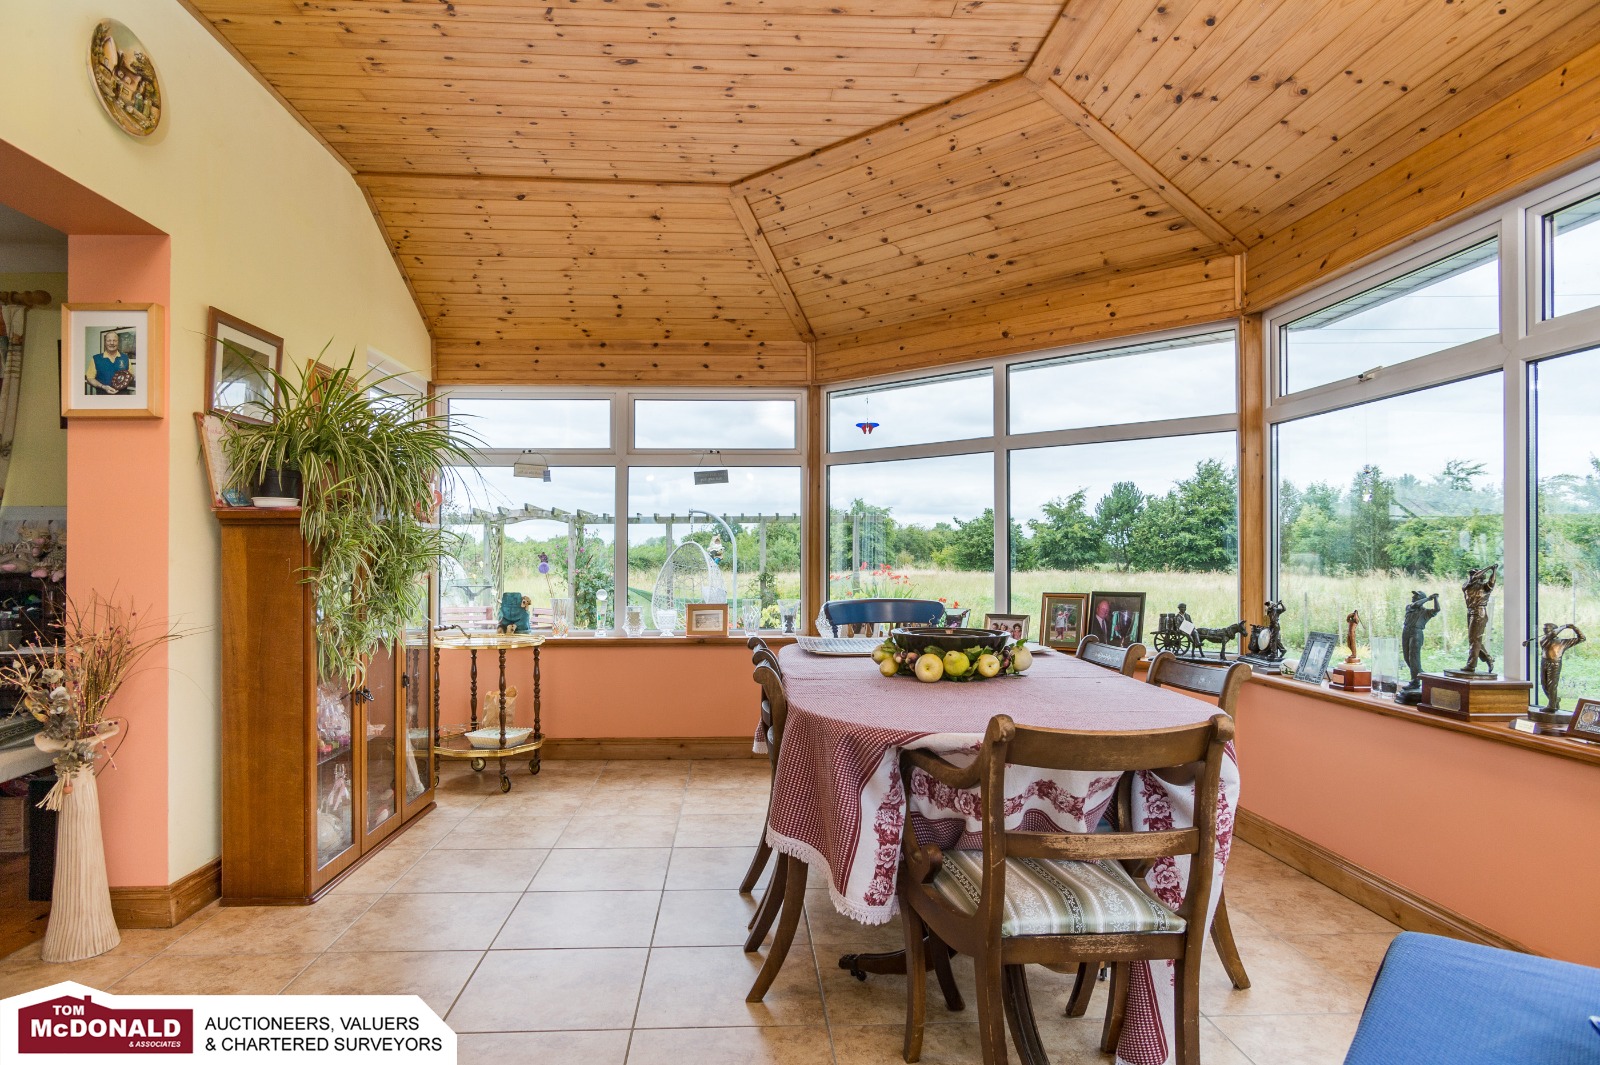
(839, 805)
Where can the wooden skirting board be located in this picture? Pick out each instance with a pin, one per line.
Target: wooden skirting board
(171, 904)
(626, 747)
(1379, 894)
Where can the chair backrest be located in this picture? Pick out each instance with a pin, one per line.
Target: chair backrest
(839, 612)
(1097, 652)
(1195, 747)
(774, 709)
(1222, 684)
(760, 652)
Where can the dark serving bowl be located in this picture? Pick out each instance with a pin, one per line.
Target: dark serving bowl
(920, 638)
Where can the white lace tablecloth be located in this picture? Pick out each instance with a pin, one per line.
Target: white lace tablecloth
(838, 801)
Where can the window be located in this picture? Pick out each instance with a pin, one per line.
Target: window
(715, 424)
(1443, 305)
(1563, 397)
(956, 407)
(535, 424)
(1572, 250)
(1383, 498)
(914, 529)
(1158, 516)
(1184, 378)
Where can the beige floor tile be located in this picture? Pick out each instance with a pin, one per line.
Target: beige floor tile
(1282, 980)
(1252, 863)
(700, 868)
(274, 929)
(404, 922)
(430, 828)
(20, 973)
(711, 830)
(436, 976)
(832, 929)
(626, 775)
(882, 999)
(1354, 956)
(632, 802)
(233, 974)
(471, 870)
(731, 773)
(731, 1046)
(1301, 906)
(543, 1048)
(595, 831)
(644, 869)
(724, 802)
(505, 830)
(378, 873)
(879, 1044)
(550, 990)
(704, 987)
(1077, 1039)
(708, 919)
(1319, 1040)
(551, 919)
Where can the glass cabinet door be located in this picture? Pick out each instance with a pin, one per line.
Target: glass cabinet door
(336, 778)
(382, 744)
(416, 683)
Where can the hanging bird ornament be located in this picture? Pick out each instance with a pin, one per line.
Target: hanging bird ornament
(866, 425)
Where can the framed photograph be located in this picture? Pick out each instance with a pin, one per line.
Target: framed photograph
(114, 360)
(210, 427)
(1586, 721)
(238, 355)
(1116, 618)
(1062, 616)
(1015, 624)
(706, 619)
(1319, 651)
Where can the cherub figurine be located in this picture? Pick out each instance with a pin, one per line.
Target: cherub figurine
(1551, 648)
(1477, 589)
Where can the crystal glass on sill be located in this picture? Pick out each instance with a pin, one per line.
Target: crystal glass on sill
(560, 616)
(751, 613)
(789, 613)
(602, 616)
(633, 623)
(666, 619)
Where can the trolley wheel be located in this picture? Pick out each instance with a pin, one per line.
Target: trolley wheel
(533, 767)
(436, 780)
(478, 764)
(505, 784)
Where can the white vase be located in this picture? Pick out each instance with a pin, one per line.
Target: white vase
(81, 925)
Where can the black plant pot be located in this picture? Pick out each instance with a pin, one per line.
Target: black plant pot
(282, 484)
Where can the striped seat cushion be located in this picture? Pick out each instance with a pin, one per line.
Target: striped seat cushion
(1058, 898)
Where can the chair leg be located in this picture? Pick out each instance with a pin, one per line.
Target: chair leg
(1227, 949)
(991, 1007)
(771, 903)
(758, 863)
(1083, 989)
(1186, 1011)
(1019, 1014)
(1116, 1008)
(947, 978)
(794, 902)
(916, 980)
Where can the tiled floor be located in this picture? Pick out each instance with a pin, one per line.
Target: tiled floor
(591, 917)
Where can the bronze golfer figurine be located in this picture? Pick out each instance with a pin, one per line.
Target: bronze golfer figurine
(1551, 647)
(1477, 589)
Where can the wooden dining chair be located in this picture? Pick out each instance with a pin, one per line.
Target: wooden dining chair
(1059, 899)
(1096, 651)
(761, 654)
(786, 891)
(839, 612)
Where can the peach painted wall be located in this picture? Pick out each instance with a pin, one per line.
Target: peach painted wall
(1503, 835)
(613, 690)
(117, 522)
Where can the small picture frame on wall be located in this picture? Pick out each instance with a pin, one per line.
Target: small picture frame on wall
(1313, 665)
(706, 619)
(114, 361)
(1062, 616)
(1585, 721)
(238, 356)
(1116, 618)
(1016, 625)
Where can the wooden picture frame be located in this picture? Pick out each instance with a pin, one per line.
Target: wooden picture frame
(1585, 721)
(1121, 624)
(1062, 618)
(1009, 623)
(210, 428)
(705, 619)
(99, 382)
(1319, 650)
(236, 352)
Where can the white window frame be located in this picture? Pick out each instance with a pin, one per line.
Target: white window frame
(1003, 442)
(622, 456)
(1525, 337)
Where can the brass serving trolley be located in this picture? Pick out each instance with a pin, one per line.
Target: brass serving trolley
(456, 745)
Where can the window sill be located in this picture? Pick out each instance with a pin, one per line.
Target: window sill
(585, 640)
(1497, 731)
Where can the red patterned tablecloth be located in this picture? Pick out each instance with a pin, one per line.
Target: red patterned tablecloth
(838, 801)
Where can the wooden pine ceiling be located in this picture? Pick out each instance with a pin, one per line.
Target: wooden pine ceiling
(596, 189)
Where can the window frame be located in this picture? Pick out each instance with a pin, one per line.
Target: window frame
(622, 456)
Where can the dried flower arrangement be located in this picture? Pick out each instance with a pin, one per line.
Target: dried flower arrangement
(69, 689)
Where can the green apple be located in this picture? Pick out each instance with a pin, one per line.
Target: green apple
(881, 652)
(1021, 659)
(988, 665)
(930, 667)
(888, 667)
(956, 663)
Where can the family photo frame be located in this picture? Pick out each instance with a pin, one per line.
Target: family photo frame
(1116, 618)
(1062, 617)
(706, 619)
(238, 356)
(113, 360)
(1014, 624)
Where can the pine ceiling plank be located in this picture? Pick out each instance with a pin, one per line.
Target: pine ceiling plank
(769, 262)
(1084, 33)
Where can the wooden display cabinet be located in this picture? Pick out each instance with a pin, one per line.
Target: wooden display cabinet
(314, 778)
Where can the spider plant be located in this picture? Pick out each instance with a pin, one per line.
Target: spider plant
(368, 464)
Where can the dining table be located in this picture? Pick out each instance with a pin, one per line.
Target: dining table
(839, 804)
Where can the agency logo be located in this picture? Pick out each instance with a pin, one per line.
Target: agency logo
(75, 1024)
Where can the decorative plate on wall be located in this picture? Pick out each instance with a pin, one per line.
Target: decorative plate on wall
(124, 78)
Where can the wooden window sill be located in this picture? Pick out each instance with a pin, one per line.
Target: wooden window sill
(1496, 731)
(613, 642)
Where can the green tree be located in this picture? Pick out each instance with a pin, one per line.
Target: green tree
(1067, 536)
(972, 547)
(1200, 521)
(1117, 516)
(1371, 521)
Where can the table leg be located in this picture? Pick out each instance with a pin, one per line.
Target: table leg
(537, 762)
(893, 963)
(472, 699)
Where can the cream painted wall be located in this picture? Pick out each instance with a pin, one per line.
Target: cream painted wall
(265, 225)
(37, 476)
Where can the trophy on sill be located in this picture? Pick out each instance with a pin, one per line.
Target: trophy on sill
(1351, 676)
(1264, 650)
(1552, 646)
(1469, 694)
(1418, 614)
